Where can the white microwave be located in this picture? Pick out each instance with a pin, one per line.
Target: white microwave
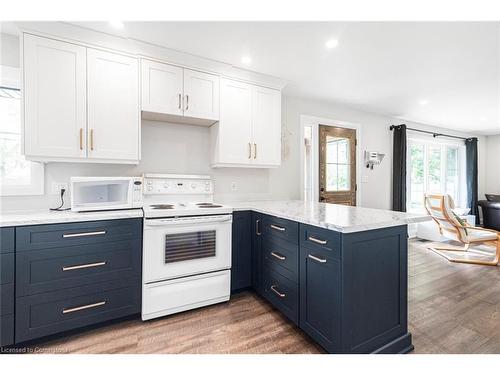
(105, 193)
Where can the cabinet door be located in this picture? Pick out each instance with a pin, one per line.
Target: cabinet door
(162, 88)
(113, 106)
(257, 275)
(319, 296)
(241, 262)
(54, 98)
(266, 126)
(235, 125)
(201, 95)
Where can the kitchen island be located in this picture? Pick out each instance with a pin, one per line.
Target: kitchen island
(338, 272)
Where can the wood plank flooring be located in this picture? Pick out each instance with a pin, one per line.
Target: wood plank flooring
(453, 308)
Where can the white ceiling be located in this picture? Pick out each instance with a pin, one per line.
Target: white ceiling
(387, 68)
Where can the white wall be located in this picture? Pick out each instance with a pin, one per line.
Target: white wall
(492, 165)
(174, 148)
(9, 50)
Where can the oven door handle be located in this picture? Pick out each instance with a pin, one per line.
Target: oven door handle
(187, 221)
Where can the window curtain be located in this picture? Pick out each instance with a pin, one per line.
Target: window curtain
(471, 175)
(399, 168)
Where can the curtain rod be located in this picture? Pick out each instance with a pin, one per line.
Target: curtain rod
(432, 133)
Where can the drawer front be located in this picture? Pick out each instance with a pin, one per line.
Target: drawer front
(280, 228)
(320, 238)
(6, 330)
(49, 313)
(6, 299)
(54, 269)
(61, 235)
(6, 240)
(282, 257)
(6, 268)
(282, 293)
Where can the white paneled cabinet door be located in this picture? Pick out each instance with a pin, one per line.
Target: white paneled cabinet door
(266, 126)
(201, 95)
(162, 88)
(113, 106)
(235, 125)
(54, 98)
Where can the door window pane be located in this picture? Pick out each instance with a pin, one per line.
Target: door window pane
(338, 171)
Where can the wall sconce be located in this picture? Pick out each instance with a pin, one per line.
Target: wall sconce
(373, 158)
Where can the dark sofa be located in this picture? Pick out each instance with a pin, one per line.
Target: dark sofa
(491, 211)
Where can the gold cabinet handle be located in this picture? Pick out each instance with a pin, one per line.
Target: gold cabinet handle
(81, 138)
(249, 150)
(85, 307)
(83, 266)
(276, 291)
(187, 102)
(318, 241)
(278, 255)
(180, 105)
(84, 234)
(255, 150)
(92, 139)
(319, 260)
(281, 229)
(257, 227)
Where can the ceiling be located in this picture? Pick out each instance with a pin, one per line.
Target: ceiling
(443, 74)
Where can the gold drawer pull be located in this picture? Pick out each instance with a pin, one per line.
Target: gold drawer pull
(280, 295)
(281, 229)
(321, 242)
(81, 138)
(320, 260)
(180, 101)
(278, 255)
(85, 307)
(84, 234)
(82, 266)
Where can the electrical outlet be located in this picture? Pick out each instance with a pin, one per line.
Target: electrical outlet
(234, 186)
(58, 186)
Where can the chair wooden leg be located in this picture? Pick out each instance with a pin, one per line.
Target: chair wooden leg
(493, 262)
(453, 248)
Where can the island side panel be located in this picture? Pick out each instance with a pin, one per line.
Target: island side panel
(374, 291)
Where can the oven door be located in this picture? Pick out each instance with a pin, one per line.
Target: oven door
(177, 247)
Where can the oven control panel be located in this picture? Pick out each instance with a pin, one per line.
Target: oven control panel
(177, 186)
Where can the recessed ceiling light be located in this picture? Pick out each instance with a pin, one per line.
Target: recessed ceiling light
(247, 60)
(116, 24)
(332, 43)
(423, 102)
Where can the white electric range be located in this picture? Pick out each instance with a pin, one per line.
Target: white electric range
(186, 245)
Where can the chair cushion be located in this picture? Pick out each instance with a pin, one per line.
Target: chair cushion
(479, 235)
(492, 197)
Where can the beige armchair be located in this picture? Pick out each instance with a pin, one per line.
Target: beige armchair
(451, 226)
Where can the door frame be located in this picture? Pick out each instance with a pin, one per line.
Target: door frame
(314, 122)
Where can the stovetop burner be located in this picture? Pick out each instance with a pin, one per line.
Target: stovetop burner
(162, 206)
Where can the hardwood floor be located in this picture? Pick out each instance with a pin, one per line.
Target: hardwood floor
(453, 308)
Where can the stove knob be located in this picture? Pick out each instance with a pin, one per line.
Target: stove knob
(193, 186)
(150, 188)
(166, 185)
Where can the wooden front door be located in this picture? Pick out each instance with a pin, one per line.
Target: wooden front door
(337, 165)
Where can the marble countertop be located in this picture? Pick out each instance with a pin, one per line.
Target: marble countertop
(19, 218)
(331, 216)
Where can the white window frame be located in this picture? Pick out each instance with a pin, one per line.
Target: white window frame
(10, 77)
(443, 144)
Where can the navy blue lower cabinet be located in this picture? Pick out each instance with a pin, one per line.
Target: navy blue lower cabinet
(320, 297)
(257, 281)
(49, 313)
(6, 330)
(282, 293)
(241, 256)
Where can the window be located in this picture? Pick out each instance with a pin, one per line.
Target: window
(435, 167)
(18, 176)
(338, 166)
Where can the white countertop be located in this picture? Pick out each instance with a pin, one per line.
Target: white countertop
(331, 216)
(18, 218)
(336, 217)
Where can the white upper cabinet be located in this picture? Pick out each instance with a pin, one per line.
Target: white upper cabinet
(172, 93)
(201, 93)
(113, 106)
(266, 126)
(162, 88)
(80, 104)
(249, 131)
(54, 98)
